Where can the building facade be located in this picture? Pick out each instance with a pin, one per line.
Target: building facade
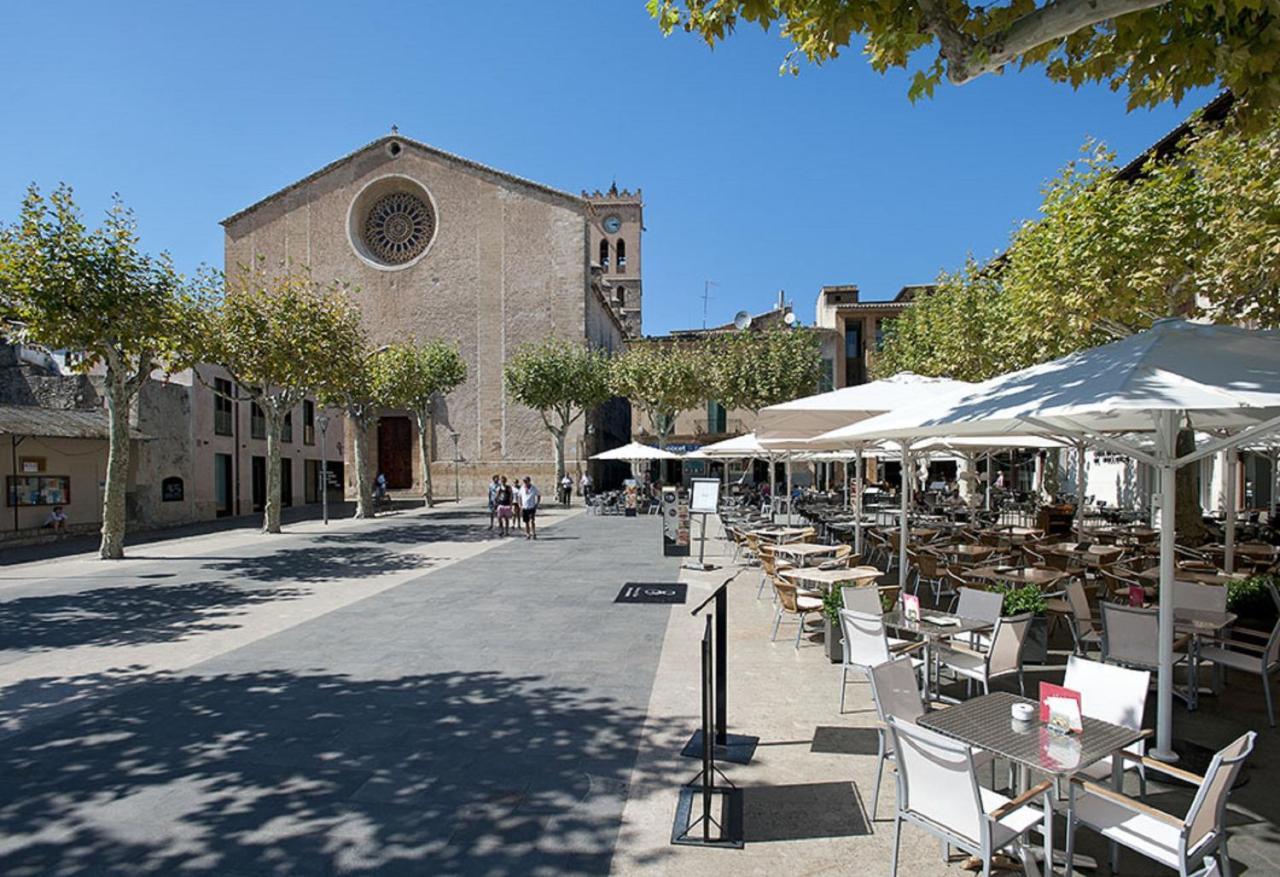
(861, 327)
(442, 247)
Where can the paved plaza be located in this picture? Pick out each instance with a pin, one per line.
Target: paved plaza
(413, 695)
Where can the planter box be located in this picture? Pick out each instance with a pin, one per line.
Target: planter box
(833, 637)
(1035, 648)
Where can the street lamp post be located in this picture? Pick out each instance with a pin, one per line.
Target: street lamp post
(322, 421)
(457, 457)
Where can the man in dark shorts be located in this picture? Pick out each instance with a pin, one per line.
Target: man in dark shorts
(530, 496)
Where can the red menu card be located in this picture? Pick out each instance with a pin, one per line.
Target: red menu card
(911, 606)
(1137, 596)
(1049, 691)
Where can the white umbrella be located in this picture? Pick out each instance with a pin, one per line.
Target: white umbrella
(1175, 375)
(801, 420)
(636, 452)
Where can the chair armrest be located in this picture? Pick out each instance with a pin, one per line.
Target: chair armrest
(1009, 806)
(1248, 647)
(1161, 767)
(907, 647)
(1127, 802)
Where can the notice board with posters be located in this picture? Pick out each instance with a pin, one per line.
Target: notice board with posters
(675, 524)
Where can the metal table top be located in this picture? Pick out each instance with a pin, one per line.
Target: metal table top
(1025, 575)
(896, 619)
(830, 577)
(986, 723)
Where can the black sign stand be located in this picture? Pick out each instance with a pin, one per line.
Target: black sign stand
(705, 830)
(734, 748)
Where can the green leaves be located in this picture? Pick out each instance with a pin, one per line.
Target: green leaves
(557, 378)
(750, 370)
(408, 375)
(1197, 235)
(280, 334)
(1154, 51)
(89, 290)
(663, 379)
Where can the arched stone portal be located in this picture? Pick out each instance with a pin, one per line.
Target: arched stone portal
(395, 452)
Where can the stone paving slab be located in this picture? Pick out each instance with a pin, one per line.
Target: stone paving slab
(808, 792)
(482, 718)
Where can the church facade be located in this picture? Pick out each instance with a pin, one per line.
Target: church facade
(442, 247)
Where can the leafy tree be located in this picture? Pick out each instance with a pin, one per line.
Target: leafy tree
(662, 380)
(1156, 50)
(750, 370)
(354, 390)
(281, 337)
(560, 380)
(1195, 235)
(410, 376)
(93, 292)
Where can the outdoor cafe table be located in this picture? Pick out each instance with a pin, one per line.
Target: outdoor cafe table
(803, 552)
(857, 576)
(1018, 575)
(1199, 623)
(986, 723)
(1011, 534)
(1192, 575)
(1094, 555)
(779, 535)
(931, 627)
(966, 552)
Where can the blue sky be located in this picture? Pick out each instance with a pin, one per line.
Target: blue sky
(759, 182)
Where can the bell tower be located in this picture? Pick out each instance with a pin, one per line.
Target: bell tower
(617, 222)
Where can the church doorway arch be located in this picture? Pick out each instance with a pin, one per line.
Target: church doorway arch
(395, 452)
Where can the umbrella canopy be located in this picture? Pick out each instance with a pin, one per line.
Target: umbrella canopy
(1222, 377)
(634, 452)
(1174, 376)
(737, 448)
(812, 415)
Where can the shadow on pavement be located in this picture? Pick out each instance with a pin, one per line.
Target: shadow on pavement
(127, 615)
(287, 773)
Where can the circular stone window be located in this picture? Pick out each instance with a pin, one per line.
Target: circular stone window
(392, 222)
(398, 228)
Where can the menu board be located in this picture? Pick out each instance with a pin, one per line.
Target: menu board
(706, 496)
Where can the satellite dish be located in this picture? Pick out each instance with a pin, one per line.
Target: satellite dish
(741, 321)
(789, 319)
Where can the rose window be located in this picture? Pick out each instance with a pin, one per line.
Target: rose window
(398, 228)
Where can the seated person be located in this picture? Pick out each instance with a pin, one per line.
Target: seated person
(57, 519)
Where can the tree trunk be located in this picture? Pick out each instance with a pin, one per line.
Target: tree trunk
(271, 509)
(1188, 517)
(424, 450)
(360, 458)
(559, 436)
(113, 496)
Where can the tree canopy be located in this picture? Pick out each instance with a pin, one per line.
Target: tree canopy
(1156, 51)
(1196, 235)
(561, 381)
(662, 380)
(750, 370)
(281, 336)
(95, 293)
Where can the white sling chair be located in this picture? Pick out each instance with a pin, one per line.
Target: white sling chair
(1116, 695)
(938, 791)
(866, 645)
(1173, 842)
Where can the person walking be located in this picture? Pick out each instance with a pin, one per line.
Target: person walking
(504, 498)
(566, 490)
(585, 486)
(493, 499)
(530, 496)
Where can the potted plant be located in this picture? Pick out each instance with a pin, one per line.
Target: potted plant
(1017, 601)
(1250, 599)
(833, 633)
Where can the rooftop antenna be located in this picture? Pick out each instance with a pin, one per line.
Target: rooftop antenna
(742, 321)
(706, 296)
